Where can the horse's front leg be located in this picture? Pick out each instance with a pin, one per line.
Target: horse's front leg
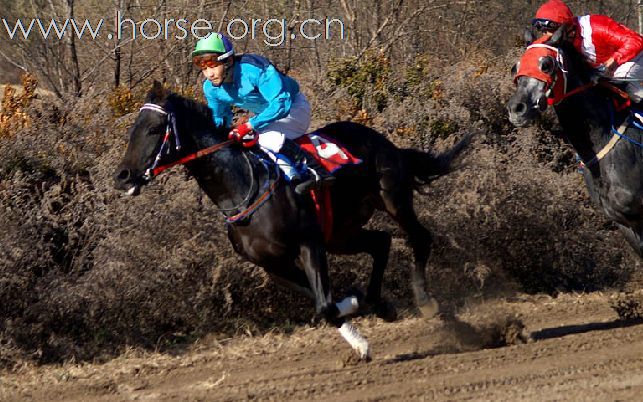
(292, 277)
(313, 260)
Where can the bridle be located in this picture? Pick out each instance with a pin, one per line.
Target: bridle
(171, 131)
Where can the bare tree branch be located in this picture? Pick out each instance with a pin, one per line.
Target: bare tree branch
(13, 63)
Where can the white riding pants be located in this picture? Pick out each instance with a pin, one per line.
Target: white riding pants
(296, 124)
(632, 69)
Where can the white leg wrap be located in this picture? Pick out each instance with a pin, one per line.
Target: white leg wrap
(355, 339)
(347, 306)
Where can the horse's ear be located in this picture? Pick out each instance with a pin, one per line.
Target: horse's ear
(514, 69)
(559, 36)
(528, 36)
(157, 94)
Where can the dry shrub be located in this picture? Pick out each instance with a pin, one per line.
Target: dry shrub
(13, 113)
(123, 101)
(628, 306)
(366, 79)
(86, 272)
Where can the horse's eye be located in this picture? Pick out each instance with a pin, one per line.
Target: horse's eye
(515, 68)
(155, 131)
(546, 64)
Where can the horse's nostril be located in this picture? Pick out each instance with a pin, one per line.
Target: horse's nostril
(123, 175)
(520, 108)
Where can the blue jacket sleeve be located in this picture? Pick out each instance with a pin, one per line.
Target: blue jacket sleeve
(221, 112)
(271, 87)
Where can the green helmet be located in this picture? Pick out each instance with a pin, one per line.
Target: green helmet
(214, 43)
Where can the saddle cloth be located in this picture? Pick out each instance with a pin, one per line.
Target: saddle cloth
(328, 153)
(332, 156)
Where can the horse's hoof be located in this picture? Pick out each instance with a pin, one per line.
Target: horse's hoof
(430, 308)
(351, 359)
(386, 311)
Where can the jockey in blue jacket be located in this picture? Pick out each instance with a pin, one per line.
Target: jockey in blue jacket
(281, 111)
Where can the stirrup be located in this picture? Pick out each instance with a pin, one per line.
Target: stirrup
(314, 183)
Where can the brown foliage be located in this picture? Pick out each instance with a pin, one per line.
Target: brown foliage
(13, 114)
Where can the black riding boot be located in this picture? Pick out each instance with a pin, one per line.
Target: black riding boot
(320, 176)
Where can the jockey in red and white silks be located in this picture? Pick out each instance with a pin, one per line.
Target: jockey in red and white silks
(604, 42)
(602, 39)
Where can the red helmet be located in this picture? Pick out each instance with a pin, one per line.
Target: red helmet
(555, 11)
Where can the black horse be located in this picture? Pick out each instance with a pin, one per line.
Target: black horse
(279, 229)
(602, 135)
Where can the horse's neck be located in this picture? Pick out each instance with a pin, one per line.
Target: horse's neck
(223, 175)
(226, 178)
(585, 119)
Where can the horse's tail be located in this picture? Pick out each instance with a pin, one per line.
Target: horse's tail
(426, 166)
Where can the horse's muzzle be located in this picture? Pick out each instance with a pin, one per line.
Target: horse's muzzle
(522, 113)
(125, 180)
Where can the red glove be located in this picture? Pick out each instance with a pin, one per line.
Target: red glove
(245, 135)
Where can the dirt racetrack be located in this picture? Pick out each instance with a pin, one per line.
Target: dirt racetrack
(578, 350)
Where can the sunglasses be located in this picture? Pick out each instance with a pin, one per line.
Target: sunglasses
(544, 25)
(204, 62)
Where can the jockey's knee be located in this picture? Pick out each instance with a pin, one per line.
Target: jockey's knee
(271, 141)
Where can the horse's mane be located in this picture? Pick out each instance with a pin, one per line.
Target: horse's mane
(581, 70)
(202, 111)
(200, 115)
(578, 66)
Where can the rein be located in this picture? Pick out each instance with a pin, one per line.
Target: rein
(555, 101)
(617, 135)
(170, 130)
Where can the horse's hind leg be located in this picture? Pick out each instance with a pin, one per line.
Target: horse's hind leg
(399, 204)
(378, 244)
